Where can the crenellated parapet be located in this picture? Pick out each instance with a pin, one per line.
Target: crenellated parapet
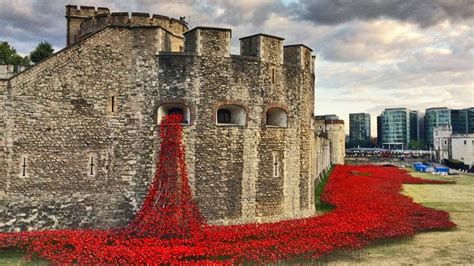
(299, 54)
(84, 21)
(266, 47)
(76, 15)
(208, 41)
(211, 41)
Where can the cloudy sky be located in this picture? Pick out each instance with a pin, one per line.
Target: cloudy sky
(372, 54)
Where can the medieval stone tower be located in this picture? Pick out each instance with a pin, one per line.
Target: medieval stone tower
(79, 131)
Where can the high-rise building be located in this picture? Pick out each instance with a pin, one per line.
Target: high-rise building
(434, 117)
(470, 120)
(327, 117)
(459, 121)
(359, 127)
(397, 127)
(379, 131)
(414, 126)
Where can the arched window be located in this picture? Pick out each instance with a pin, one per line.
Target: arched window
(172, 109)
(231, 115)
(277, 117)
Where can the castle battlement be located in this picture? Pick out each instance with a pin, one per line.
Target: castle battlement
(252, 152)
(86, 20)
(85, 11)
(211, 41)
(202, 41)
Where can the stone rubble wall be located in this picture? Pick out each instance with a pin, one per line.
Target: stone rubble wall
(56, 118)
(3, 165)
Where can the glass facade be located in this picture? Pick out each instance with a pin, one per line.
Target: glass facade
(379, 131)
(470, 120)
(434, 117)
(359, 127)
(459, 121)
(395, 128)
(414, 130)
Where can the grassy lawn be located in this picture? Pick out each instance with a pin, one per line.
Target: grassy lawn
(430, 248)
(14, 257)
(449, 247)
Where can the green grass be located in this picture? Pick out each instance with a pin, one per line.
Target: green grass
(321, 206)
(15, 257)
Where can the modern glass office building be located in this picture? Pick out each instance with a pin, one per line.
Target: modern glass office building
(397, 127)
(459, 121)
(359, 127)
(434, 117)
(470, 120)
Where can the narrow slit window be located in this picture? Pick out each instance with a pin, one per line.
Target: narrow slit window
(273, 75)
(276, 165)
(23, 167)
(92, 164)
(113, 104)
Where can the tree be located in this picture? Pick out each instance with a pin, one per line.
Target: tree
(416, 145)
(9, 56)
(42, 51)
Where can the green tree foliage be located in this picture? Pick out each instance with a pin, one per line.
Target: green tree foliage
(416, 145)
(42, 51)
(9, 56)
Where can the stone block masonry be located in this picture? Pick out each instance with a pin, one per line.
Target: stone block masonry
(79, 131)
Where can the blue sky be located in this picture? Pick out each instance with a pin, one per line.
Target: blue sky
(371, 54)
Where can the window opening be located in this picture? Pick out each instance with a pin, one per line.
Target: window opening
(223, 116)
(23, 173)
(92, 165)
(113, 104)
(276, 165)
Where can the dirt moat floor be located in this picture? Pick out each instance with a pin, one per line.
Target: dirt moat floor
(430, 248)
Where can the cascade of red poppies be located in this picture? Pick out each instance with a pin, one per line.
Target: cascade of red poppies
(167, 230)
(169, 210)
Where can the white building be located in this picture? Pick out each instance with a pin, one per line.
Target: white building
(462, 148)
(441, 142)
(453, 146)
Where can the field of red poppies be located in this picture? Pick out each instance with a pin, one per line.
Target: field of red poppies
(169, 228)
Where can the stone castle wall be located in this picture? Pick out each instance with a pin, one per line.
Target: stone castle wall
(72, 162)
(3, 165)
(336, 135)
(56, 118)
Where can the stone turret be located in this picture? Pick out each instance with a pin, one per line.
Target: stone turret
(87, 20)
(75, 16)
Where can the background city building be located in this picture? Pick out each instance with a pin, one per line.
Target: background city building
(397, 126)
(359, 127)
(327, 117)
(453, 146)
(434, 117)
